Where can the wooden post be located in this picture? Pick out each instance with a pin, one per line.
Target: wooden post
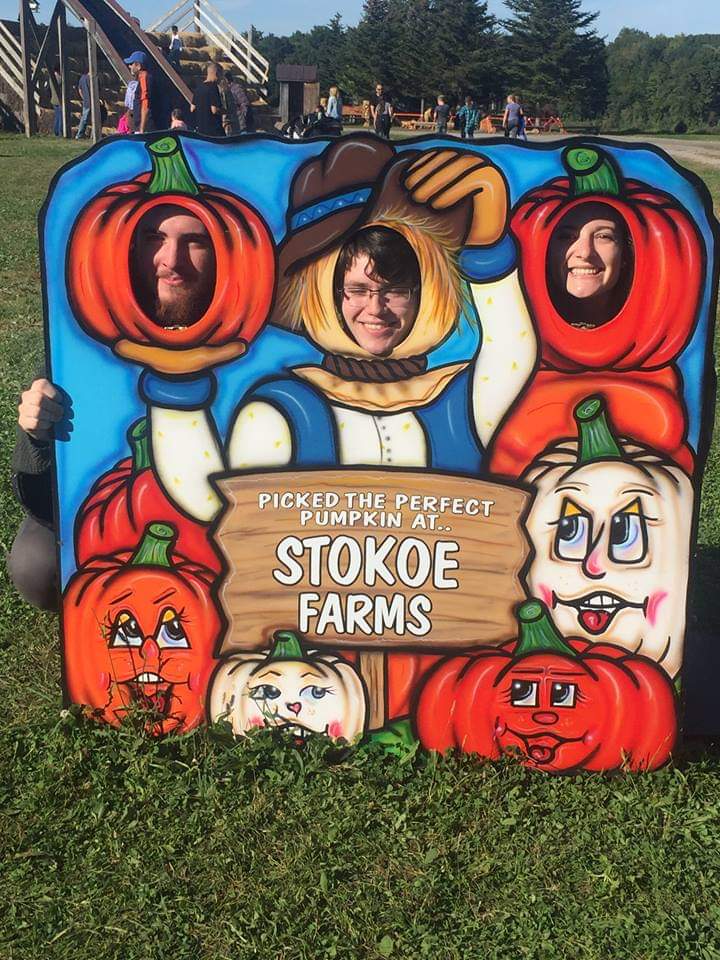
(29, 114)
(94, 85)
(372, 670)
(64, 74)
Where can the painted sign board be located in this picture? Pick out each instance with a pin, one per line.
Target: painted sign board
(371, 437)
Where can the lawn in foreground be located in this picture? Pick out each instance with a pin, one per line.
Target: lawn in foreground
(112, 846)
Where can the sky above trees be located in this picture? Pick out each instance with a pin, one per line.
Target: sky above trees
(285, 16)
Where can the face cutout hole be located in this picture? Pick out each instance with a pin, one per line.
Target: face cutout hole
(172, 267)
(590, 265)
(377, 289)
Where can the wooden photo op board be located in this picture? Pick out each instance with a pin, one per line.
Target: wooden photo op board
(377, 442)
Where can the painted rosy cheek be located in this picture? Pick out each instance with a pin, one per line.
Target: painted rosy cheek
(545, 594)
(256, 721)
(104, 680)
(653, 605)
(335, 729)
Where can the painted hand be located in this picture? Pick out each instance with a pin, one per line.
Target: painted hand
(447, 179)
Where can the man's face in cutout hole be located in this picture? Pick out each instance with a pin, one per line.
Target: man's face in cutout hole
(173, 266)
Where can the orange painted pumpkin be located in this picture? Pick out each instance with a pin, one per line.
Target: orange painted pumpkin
(562, 705)
(99, 275)
(140, 630)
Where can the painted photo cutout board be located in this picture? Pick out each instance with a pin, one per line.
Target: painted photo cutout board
(382, 442)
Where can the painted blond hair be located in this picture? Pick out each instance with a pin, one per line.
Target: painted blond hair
(308, 300)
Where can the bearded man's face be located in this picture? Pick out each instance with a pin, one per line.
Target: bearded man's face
(173, 266)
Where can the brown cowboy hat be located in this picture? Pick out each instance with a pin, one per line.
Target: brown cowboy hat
(328, 196)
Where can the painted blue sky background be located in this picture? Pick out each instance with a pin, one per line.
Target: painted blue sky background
(284, 16)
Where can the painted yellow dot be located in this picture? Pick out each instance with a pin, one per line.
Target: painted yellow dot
(523, 333)
(194, 423)
(177, 481)
(489, 301)
(484, 379)
(406, 426)
(251, 415)
(342, 425)
(210, 497)
(488, 339)
(278, 443)
(488, 423)
(160, 433)
(514, 365)
(206, 454)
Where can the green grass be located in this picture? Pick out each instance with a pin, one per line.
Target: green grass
(199, 847)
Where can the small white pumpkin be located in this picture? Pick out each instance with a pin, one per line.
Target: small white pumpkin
(300, 691)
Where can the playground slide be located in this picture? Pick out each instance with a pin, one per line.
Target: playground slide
(126, 36)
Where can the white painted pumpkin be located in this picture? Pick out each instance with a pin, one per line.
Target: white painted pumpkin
(610, 525)
(287, 687)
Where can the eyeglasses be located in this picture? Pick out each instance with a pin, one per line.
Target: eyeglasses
(393, 296)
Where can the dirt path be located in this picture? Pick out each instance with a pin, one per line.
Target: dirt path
(696, 151)
(705, 151)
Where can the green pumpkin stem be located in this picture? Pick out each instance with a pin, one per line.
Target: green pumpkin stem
(170, 170)
(595, 438)
(155, 548)
(538, 634)
(591, 171)
(138, 438)
(286, 646)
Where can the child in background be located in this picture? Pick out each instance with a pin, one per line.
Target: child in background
(176, 120)
(124, 123)
(442, 115)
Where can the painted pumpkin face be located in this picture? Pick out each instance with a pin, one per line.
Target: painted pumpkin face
(141, 634)
(560, 704)
(612, 545)
(295, 692)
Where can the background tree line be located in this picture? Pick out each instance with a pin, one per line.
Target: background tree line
(547, 51)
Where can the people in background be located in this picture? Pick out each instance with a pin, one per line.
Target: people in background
(382, 110)
(441, 115)
(334, 107)
(84, 91)
(142, 103)
(207, 104)
(511, 117)
(176, 120)
(469, 117)
(55, 95)
(176, 48)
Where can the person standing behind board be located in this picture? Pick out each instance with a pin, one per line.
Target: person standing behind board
(511, 117)
(207, 105)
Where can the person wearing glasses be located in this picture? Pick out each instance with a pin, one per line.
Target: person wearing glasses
(376, 279)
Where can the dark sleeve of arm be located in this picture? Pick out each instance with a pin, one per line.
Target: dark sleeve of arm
(31, 461)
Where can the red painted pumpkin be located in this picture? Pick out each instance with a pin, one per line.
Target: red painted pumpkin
(629, 358)
(140, 630)
(656, 319)
(99, 280)
(562, 705)
(124, 500)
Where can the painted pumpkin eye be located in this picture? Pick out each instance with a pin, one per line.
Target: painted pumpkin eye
(563, 694)
(126, 631)
(265, 691)
(524, 693)
(171, 632)
(573, 533)
(628, 535)
(314, 693)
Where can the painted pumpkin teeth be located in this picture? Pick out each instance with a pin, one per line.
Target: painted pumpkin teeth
(148, 678)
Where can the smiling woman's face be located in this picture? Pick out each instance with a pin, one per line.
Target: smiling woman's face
(586, 252)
